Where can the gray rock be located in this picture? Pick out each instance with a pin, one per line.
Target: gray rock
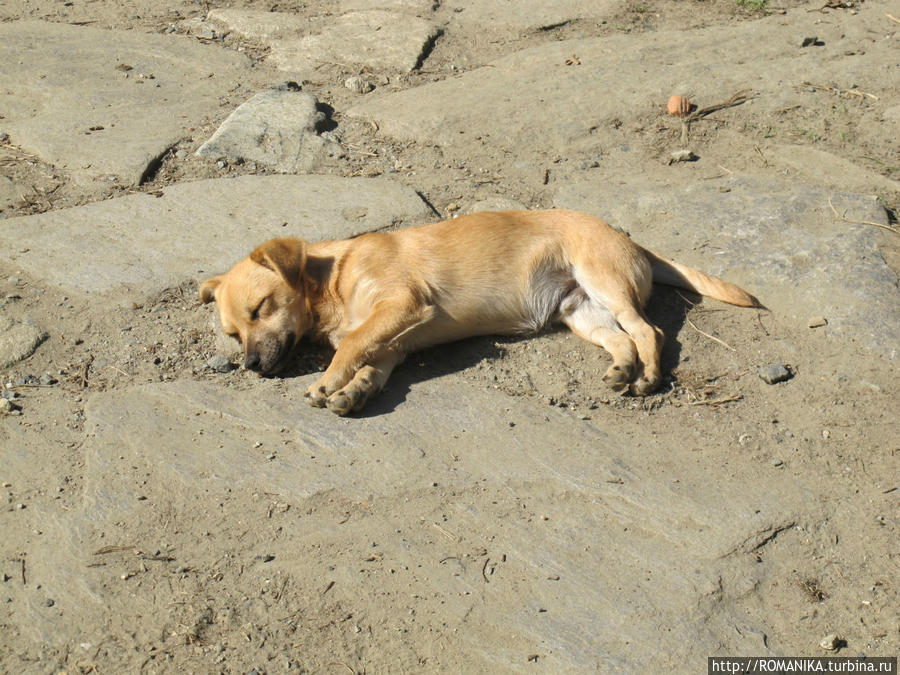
(143, 243)
(530, 98)
(419, 7)
(359, 84)
(530, 15)
(376, 39)
(682, 156)
(258, 25)
(825, 168)
(495, 204)
(18, 341)
(58, 80)
(779, 240)
(694, 542)
(278, 127)
(774, 373)
(219, 363)
(10, 193)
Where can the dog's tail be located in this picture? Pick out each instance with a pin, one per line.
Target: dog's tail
(674, 274)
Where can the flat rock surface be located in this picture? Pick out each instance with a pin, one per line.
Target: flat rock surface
(192, 229)
(611, 528)
(82, 98)
(498, 508)
(780, 240)
(543, 98)
(532, 14)
(277, 128)
(375, 39)
(18, 340)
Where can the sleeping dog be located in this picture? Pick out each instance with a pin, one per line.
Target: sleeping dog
(379, 296)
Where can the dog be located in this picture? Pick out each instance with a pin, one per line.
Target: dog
(379, 296)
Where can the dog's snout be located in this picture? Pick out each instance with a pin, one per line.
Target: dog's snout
(252, 362)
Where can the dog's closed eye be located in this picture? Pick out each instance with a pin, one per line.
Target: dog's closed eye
(254, 315)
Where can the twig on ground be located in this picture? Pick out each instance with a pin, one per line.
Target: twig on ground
(740, 97)
(711, 337)
(717, 401)
(842, 216)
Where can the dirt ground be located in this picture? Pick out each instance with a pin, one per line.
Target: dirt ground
(834, 424)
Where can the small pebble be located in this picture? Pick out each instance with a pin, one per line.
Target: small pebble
(817, 322)
(49, 602)
(774, 373)
(219, 363)
(777, 462)
(682, 156)
(358, 84)
(47, 379)
(20, 506)
(830, 642)
(270, 456)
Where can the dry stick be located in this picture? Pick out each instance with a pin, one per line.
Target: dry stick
(843, 217)
(741, 97)
(727, 399)
(892, 18)
(714, 339)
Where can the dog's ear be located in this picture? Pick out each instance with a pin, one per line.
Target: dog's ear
(287, 256)
(208, 289)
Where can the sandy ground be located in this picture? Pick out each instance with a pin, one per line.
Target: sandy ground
(190, 580)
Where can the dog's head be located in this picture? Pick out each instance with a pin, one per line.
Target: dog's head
(262, 302)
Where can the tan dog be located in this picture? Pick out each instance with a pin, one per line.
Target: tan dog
(379, 296)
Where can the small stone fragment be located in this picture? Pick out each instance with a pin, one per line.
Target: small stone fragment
(809, 41)
(6, 407)
(358, 84)
(817, 322)
(774, 373)
(219, 363)
(682, 156)
(830, 642)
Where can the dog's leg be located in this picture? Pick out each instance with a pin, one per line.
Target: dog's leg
(649, 340)
(624, 296)
(367, 382)
(596, 324)
(384, 330)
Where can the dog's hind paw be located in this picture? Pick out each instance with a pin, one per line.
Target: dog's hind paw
(618, 377)
(643, 386)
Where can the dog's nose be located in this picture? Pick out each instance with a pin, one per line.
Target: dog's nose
(252, 362)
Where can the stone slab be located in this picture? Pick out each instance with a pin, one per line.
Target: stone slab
(145, 242)
(779, 240)
(18, 341)
(258, 25)
(377, 39)
(419, 7)
(634, 545)
(66, 96)
(278, 128)
(532, 99)
(825, 168)
(531, 15)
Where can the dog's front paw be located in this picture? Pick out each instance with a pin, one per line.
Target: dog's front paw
(340, 403)
(643, 386)
(316, 395)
